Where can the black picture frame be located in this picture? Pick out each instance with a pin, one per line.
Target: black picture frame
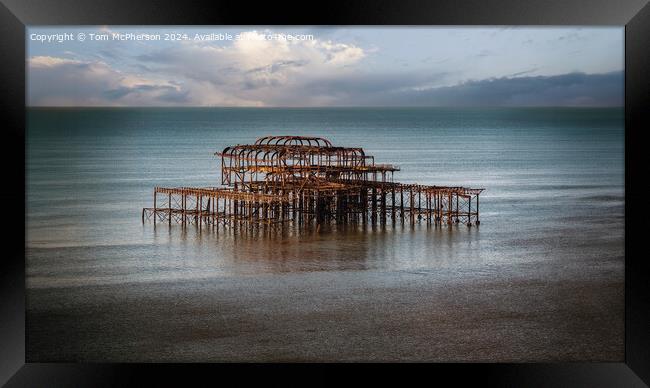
(15, 15)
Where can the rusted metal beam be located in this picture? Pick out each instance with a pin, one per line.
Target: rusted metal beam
(300, 180)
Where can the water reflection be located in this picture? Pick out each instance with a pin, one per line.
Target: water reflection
(349, 247)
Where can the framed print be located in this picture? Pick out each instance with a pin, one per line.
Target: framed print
(458, 187)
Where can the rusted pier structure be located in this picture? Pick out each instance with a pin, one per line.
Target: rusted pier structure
(307, 181)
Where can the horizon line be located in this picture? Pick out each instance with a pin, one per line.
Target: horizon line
(315, 107)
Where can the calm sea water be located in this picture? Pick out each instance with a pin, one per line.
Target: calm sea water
(554, 180)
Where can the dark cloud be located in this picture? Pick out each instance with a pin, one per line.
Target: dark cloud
(115, 94)
(574, 89)
(523, 72)
(66, 83)
(158, 92)
(53, 82)
(174, 96)
(254, 84)
(277, 66)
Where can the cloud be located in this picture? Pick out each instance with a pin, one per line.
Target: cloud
(364, 89)
(258, 72)
(44, 62)
(534, 69)
(63, 82)
(253, 70)
(573, 89)
(414, 89)
(164, 93)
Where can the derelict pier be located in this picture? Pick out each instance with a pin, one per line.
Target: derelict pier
(304, 182)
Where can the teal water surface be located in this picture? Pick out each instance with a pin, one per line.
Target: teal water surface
(554, 180)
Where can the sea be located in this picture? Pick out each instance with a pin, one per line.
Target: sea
(553, 180)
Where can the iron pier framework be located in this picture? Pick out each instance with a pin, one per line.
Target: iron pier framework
(305, 182)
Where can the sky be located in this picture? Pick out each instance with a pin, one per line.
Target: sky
(257, 66)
